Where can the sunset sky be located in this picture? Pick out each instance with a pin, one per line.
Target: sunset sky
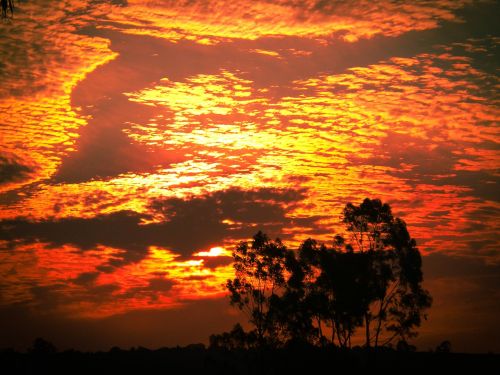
(141, 140)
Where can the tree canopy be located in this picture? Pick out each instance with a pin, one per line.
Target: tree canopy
(368, 280)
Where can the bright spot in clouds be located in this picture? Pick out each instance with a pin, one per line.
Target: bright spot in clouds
(213, 252)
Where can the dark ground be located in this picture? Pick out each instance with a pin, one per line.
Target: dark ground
(196, 359)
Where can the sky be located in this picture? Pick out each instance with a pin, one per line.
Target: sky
(141, 140)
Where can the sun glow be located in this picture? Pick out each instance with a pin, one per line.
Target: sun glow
(213, 252)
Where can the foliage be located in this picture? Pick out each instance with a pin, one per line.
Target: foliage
(259, 276)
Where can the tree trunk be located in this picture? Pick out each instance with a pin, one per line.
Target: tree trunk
(367, 329)
(379, 325)
(320, 330)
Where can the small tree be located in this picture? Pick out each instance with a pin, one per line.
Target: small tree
(259, 280)
(41, 346)
(444, 347)
(237, 338)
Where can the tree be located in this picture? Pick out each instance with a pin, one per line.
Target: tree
(372, 279)
(444, 347)
(296, 309)
(259, 279)
(343, 275)
(335, 289)
(237, 338)
(396, 298)
(41, 346)
(7, 7)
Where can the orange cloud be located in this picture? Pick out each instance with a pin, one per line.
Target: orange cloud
(210, 21)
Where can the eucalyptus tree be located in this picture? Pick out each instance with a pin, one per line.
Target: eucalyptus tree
(396, 299)
(259, 281)
(372, 279)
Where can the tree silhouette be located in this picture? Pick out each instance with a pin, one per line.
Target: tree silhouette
(7, 7)
(373, 281)
(294, 309)
(237, 338)
(444, 347)
(42, 346)
(393, 276)
(259, 278)
(344, 279)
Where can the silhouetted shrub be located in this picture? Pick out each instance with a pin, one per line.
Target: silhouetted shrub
(444, 347)
(41, 346)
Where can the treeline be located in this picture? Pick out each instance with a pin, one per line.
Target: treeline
(367, 283)
(196, 359)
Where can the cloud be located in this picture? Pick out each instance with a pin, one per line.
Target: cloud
(42, 59)
(187, 225)
(447, 266)
(105, 152)
(110, 108)
(11, 170)
(86, 278)
(210, 21)
(214, 262)
(420, 162)
(155, 287)
(108, 147)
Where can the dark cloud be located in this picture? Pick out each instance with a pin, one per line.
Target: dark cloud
(52, 297)
(120, 229)
(160, 284)
(156, 287)
(413, 160)
(12, 170)
(483, 184)
(86, 278)
(113, 2)
(47, 297)
(439, 265)
(214, 262)
(188, 224)
(100, 293)
(105, 151)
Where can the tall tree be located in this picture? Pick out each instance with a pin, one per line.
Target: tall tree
(7, 7)
(372, 280)
(297, 309)
(259, 280)
(396, 298)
